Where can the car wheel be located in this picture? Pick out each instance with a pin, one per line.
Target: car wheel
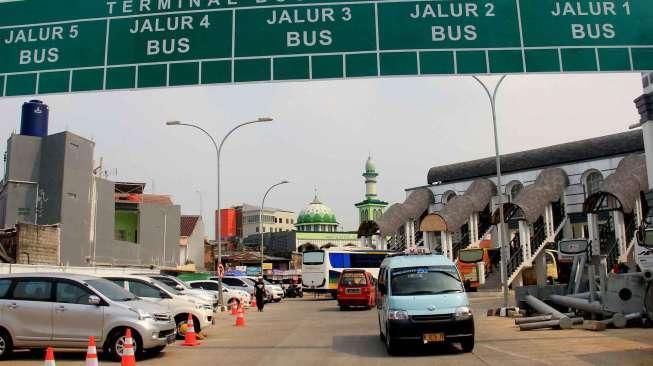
(182, 320)
(116, 344)
(6, 345)
(390, 344)
(467, 344)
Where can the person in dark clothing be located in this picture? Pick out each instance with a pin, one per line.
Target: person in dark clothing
(260, 294)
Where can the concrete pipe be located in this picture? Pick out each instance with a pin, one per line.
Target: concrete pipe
(584, 295)
(568, 323)
(540, 325)
(563, 323)
(580, 304)
(533, 319)
(619, 320)
(543, 308)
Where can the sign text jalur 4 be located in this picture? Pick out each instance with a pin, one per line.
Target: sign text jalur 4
(52, 46)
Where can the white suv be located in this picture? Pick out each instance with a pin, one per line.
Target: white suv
(176, 303)
(230, 294)
(274, 291)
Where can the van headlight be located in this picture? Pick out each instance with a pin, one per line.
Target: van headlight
(397, 315)
(142, 315)
(463, 313)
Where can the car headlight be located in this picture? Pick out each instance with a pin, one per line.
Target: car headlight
(142, 315)
(397, 315)
(463, 313)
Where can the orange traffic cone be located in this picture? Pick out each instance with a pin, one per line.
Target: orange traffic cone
(240, 318)
(128, 357)
(190, 338)
(253, 302)
(234, 308)
(91, 353)
(49, 357)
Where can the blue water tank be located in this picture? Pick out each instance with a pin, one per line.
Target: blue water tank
(34, 120)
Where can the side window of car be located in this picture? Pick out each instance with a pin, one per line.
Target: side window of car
(32, 290)
(211, 286)
(4, 288)
(143, 290)
(196, 285)
(70, 293)
(168, 281)
(230, 282)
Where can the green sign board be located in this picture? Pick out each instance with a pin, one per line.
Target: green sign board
(53, 46)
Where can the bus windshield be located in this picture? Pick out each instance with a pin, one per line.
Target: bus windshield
(356, 260)
(313, 258)
(471, 255)
(434, 280)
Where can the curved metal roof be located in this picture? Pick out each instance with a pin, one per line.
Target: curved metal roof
(459, 208)
(625, 184)
(594, 148)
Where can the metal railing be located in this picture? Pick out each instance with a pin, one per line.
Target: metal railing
(516, 256)
(612, 256)
(539, 235)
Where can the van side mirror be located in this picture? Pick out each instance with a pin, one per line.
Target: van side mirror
(382, 288)
(94, 300)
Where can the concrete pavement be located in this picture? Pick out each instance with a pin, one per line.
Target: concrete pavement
(314, 332)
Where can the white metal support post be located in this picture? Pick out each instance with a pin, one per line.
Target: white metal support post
(218, 151)
(260, 219)
(492, 96)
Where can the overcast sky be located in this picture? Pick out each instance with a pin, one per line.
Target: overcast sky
(323, 132)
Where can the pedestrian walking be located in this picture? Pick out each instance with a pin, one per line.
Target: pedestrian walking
(260, 294)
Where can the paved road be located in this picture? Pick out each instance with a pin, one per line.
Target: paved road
(313, 332)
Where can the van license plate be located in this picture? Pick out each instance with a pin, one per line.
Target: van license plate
(433, 337)
(171, 338)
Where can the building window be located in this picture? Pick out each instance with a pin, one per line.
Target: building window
(447, 196)
(257, 229)
(593, 181)
(513, 188)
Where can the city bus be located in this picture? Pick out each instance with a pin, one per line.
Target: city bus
(321, 268)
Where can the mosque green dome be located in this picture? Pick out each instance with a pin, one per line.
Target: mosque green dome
(317, 213)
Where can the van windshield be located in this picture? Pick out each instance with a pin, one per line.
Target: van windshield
(111, 290)
(434, 280)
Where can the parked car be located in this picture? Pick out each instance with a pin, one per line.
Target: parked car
(230, 294)
(176, 303)
(275, 291)
(421, 298)
(62, 310)
(181, 286)
(356, 288)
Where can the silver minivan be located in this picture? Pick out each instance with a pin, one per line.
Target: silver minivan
(63, 310)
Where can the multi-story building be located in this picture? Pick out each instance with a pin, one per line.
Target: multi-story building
(49, 179)
(244, 220)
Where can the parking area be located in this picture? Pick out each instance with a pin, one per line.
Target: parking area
(315, 332)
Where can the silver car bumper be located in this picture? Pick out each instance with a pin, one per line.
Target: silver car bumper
(157, 334)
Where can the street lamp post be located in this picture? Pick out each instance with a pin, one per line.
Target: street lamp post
(492, 96)
(260, 217)
(218, 150)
